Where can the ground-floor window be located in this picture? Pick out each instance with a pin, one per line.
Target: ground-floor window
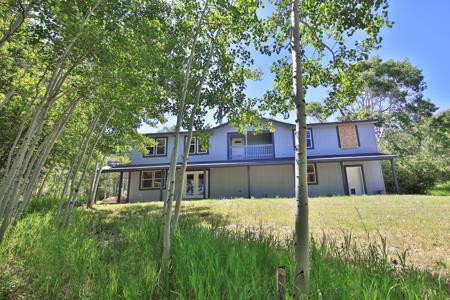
(312, 174)
(154, 179)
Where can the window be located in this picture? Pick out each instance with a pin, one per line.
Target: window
(192, 145)
(348, 136)
(159, 149)
(202, 146)
(197, 146)
(309, 139)
(311, 173)
(154, 179)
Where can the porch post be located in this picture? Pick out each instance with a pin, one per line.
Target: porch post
(394, 176)
(120, 187)
(249, 194)
(128, 187)
(344, 178)
(204, 184)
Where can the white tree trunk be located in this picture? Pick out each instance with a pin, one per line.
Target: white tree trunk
(301, 186)
(57, 184)
(14, 146)
(71, 202)
(48, 143)
(53, 88)
(76, 162)
(44, 182)
(168, 199)
(20, 169)
(180, 184)
(95, 181)
(71, 176)
(18, 160)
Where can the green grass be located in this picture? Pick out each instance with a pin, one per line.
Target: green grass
(417, 224)
(441, 189)
(113, 253)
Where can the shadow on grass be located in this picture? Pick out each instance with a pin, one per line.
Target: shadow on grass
(121, 214)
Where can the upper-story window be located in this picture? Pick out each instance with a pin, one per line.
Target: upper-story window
(348, 136)
(197, 146)
(309, 138)
(160, 149)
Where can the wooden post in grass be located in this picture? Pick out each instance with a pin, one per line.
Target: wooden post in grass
(281, 282)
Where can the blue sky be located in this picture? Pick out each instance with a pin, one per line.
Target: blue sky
(421, 33)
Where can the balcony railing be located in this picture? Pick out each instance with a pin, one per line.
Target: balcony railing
(261, 151)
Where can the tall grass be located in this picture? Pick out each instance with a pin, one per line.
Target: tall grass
(111, 255)
(440, 189)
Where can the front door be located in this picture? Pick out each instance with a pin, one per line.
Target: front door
(355, 180)
(195, 185)
(237, 147)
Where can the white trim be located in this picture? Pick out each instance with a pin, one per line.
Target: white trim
(255, 162)
(309, 130)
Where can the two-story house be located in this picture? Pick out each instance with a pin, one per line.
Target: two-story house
(343, 159)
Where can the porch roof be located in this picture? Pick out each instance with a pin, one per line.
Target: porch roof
(254, 162)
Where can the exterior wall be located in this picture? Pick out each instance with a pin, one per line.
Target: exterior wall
(138, 159)
(228, 182)
(329, 180)
(218, 144)
(284, 141)
(137, 195)
(272, 181)
(325, 139)
(373, 175)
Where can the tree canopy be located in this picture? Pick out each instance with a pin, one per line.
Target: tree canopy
(391, 92)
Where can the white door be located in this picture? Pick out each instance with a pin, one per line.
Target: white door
(237, 147)
(355, 180)
(195, 185)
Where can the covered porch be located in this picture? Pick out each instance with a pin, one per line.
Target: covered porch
(355, 174)
(327, 176)
(250, 146)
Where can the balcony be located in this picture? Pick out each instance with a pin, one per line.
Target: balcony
(250, 146)
(261, 151)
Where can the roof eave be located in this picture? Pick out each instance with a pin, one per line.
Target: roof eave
(235, 163)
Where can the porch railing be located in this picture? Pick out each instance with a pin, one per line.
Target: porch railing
(261, 151)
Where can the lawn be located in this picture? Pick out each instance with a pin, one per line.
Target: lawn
(418, 224)
(229, 249)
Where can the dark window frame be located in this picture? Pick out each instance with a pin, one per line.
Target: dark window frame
(155, 154)
(153, 187)
(311, 138)
(196, 145)
(314, 165)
